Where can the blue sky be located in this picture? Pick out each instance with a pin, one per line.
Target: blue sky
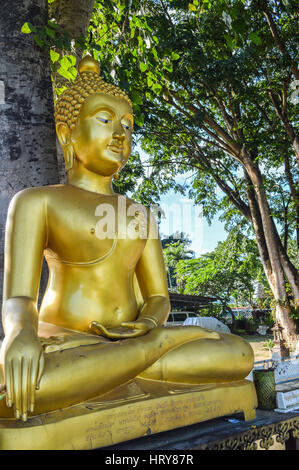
(182, 215)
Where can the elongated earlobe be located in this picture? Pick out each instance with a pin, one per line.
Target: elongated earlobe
(64, 137)
(69, 157)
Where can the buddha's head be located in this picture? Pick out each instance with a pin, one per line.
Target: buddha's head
(94, 122)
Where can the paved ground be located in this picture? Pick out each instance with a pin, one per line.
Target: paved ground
(257, 343)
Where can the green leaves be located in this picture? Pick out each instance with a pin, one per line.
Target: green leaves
(191, 7)
(136, 97)
(54, 56)
(255, 38)
(174, 56)
(143, 66)
(50, 32)
(48, 36)
(229, 271)
(67, 67)
(28, 28)
(38, 40)
(156, 87)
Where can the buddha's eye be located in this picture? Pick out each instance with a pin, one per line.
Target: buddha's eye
(104, 120)
(128, 127)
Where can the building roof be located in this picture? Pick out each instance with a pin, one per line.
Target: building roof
(192, 302)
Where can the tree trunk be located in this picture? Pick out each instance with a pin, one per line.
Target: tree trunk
(282, 264)
(273, 266)
(288, 268)
(27, 131)
(274, 258)
(293, 190)
(74, 16)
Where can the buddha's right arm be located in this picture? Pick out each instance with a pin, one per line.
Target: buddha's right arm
(25, 241)
(26, 238)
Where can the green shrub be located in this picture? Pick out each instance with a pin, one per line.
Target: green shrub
(269, 344)
(240, 331)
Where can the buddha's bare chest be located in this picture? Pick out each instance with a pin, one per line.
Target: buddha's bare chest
(86, 229)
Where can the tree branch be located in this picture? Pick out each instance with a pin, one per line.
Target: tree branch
(278, 41)
(282, 114)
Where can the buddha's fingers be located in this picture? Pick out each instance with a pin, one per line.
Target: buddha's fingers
(41, 365)
(17, 381)
(114, 333)
(22, 376)
(139, 328)
(8, 374)
(98, 328)
(37, 368)
(32, 385)
(25, 387)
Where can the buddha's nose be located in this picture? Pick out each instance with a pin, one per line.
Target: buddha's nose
(119, 137)
(118, 131)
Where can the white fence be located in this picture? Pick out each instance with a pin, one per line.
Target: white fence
(285, 370)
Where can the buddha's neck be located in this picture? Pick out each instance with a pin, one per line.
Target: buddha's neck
(82, 178)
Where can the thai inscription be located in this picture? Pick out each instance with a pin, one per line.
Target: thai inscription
(146, 417)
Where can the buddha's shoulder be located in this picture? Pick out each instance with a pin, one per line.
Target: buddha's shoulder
(37, 194)
(38, 191)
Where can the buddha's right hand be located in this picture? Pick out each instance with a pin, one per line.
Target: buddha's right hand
(23, 368)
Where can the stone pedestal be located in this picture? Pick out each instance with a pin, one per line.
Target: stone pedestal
(287, 396)
(139, 408)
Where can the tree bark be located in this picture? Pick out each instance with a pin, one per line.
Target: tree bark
(27, 131)
(294, 191)
(282, 264)
(277, 260)
(73, 16)
(274, 258)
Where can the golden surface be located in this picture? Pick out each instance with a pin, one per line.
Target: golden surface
(139, 408)
(100, 322)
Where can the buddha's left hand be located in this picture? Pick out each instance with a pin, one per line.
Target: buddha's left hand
(126, 330)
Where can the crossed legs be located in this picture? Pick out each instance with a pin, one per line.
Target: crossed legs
(187, 354)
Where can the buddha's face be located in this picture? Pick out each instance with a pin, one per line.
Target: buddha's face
(102, 137)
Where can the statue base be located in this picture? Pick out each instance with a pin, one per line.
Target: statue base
(138, 408)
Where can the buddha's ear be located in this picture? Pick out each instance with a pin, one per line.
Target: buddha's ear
(64, 136)
(63, 133)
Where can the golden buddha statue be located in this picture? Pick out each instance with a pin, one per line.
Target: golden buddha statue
(100, 324)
